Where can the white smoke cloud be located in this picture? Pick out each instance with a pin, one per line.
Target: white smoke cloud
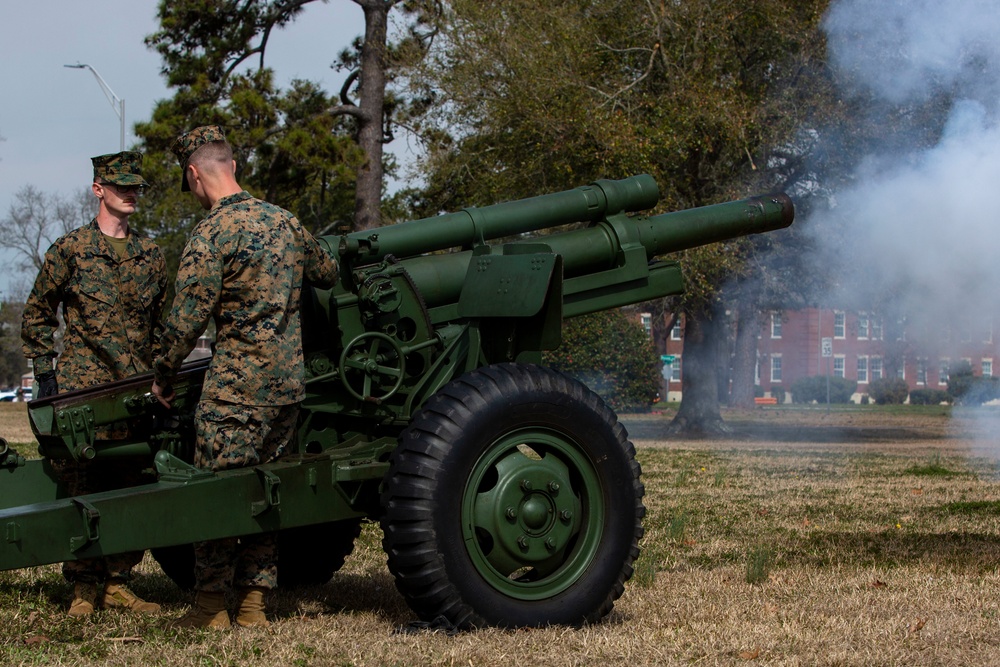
(928, 220)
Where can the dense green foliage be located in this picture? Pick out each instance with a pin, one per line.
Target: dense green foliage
(965, 388)
(929, 397)
(889, 391)
(809, 389)
(613, 356)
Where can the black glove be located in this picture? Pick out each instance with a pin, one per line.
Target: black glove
(47, 384)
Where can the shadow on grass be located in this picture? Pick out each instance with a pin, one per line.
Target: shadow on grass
(895, 548)
(754, 432)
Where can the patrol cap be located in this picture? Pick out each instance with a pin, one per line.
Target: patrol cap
(185, 145)
(123, 168)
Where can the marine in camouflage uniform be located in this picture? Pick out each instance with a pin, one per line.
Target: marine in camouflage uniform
(243, 267)
(110, 282)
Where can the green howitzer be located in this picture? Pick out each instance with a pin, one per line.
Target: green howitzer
(508, 494)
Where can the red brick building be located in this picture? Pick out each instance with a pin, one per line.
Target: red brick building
(791, 345)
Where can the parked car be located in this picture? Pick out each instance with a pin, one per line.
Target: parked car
(10, 396)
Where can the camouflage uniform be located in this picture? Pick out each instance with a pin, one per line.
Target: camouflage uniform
(243, 267)
(111, 305)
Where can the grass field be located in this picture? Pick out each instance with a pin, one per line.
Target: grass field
(861, 536)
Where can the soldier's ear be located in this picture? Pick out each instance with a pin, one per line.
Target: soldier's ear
(97, 189)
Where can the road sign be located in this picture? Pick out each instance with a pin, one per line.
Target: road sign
(826, 345)
(667, 358)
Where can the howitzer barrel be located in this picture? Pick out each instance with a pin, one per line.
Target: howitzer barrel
(476, 225)
(599, 247)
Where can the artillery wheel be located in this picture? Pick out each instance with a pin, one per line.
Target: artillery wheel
(513, 499)
(307, 556)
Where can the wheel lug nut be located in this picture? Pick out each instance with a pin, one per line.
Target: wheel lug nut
(511, 513)
(550, 544)
(526, 485)
(565, 515)
(554, 486)
(523, 543)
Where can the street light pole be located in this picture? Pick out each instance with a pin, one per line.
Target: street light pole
(117, 103)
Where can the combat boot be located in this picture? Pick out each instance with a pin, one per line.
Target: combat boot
(251, 609)
(84, 599)
(117, 595)
(209, 611)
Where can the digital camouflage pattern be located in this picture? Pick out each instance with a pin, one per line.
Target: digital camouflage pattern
(234, 436)
(111, 306)
(185, 145)
(123, 168)
(243, 267)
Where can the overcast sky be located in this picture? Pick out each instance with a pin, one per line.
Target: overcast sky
(54, 119)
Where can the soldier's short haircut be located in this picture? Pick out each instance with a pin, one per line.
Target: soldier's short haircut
(214, 151)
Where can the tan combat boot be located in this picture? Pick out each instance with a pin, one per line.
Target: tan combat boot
(117, 595)
(251, 609)
(209, 611)
(84, 599)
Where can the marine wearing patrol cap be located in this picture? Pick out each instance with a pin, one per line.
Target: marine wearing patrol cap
(123, 168)
(185, 145)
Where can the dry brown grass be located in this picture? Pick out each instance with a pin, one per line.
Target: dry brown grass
(875, 535)
(14, 426)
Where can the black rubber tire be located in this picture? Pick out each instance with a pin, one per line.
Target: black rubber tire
(428, 503)
(307, 556)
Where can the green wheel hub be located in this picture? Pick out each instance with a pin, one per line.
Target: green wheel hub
(532, 517)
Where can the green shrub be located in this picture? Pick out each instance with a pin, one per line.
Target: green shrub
(809, 389)
(968, 389)
(613, 356)
(778, 393)
(929, 397)
(889, 391)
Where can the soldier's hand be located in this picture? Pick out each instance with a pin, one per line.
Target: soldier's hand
(165, 395)
(47, 384)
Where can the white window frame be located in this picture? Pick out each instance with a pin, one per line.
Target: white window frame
(862, 369)
(776, 324)
(839, 366)
(987, 367)
(839, 324)
(875, 369)
(775, 376)
(863, 326)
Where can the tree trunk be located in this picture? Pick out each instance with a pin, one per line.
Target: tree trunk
(371, 94)
(748, 320)
(699, 410)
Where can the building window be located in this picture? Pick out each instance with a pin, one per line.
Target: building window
(987, 365)
(862, 325)
(876, 368)
(876, 329)
(646, 319)
(839, 328)
(921, 371)
(943, 371)
(901, 373)
(675, 331)
(776, 369)
(775, 325)
(863, 370)
(838, 366)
